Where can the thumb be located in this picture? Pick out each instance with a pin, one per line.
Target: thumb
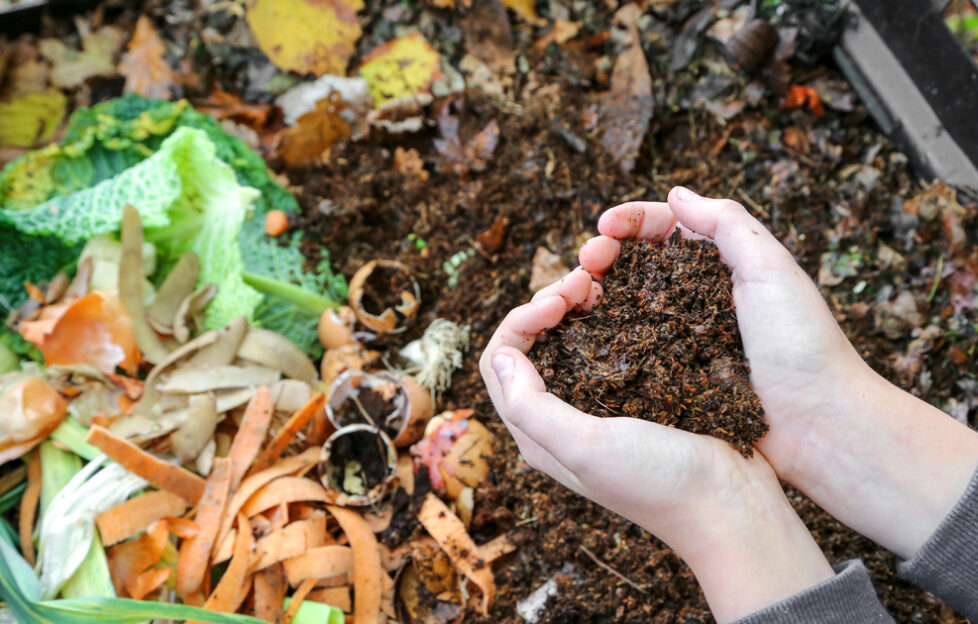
(745, 245)
(517, 378)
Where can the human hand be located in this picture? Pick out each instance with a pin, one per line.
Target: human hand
(861, 448)
(725, 515)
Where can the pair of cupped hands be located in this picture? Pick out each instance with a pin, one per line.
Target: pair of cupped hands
(880, 460)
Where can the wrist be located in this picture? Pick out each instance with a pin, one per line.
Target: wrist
(885, 463)
(749, 549)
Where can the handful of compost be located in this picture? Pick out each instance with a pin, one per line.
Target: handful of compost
(662, 345)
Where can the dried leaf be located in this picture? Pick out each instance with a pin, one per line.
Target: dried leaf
(28, 119)
(525, 9)
(461, 158)
(408, 162)
(627, 108)
(147, 72)
(547, 269)
(70, 67)
(400, 68)
(306, 36)
(315, 133)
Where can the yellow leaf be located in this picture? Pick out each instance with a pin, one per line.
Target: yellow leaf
(147, 72)
(70, 67)
(28, 119)
(306, 36)
(526, 10)
(399, 68)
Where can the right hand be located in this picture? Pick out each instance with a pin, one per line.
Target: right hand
(838, 431)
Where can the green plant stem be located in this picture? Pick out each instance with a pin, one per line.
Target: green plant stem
(289, 292)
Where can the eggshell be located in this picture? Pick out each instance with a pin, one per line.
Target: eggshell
(388, 320)
(336, 327)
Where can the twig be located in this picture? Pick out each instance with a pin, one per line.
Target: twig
(608, 568)
(527, 521)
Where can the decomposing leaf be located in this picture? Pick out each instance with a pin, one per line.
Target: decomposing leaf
(147, 72)
(489, 37)
(408, 162)
(627, 108)
(460, 158)
(547, 269)
(306, 36)
(26, 72)
(28, 119)
(400, 68)
(315, 132)
(70, 67)
(525, 9)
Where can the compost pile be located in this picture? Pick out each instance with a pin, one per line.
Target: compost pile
(662, 345)
(473, 144)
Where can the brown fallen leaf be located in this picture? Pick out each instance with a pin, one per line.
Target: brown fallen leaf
(492, 239)
(547, 269)
(460, 158)
(146, 71)
(627, 107)
(315, 132)
(488, 36)
(26, 71)
(408, 162)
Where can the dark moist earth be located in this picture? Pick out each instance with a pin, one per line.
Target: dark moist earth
(662, 345)
(834, 192)
(360, 209)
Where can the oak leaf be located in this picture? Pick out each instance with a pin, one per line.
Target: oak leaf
(146, 71)
(71, 67)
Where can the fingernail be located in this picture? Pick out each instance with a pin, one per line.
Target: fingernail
(503, 365)
(685, 194)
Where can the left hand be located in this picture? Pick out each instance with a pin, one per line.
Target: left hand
(676, 484)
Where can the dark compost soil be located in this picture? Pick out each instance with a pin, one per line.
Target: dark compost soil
(662, 345)
(830, 187)
(551, 195)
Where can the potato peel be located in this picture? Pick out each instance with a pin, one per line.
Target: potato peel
(450, 534)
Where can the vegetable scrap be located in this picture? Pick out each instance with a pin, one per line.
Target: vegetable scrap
(193, 456)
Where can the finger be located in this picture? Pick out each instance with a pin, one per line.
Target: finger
(520, 327)
(575, 287)
(597, 255)
(594, 297)
(745, 245)
(564, 432)
(646, 220)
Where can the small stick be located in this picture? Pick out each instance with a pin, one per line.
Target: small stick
(607, 567)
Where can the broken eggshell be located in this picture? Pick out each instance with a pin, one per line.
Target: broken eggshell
(356, 465)
(338, 360)
(336, 327)
(411, 405)
(393, 318)
(429, 587)
(455, 449)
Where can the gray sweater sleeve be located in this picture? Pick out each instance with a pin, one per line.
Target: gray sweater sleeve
(947, 564)
(846, 598)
